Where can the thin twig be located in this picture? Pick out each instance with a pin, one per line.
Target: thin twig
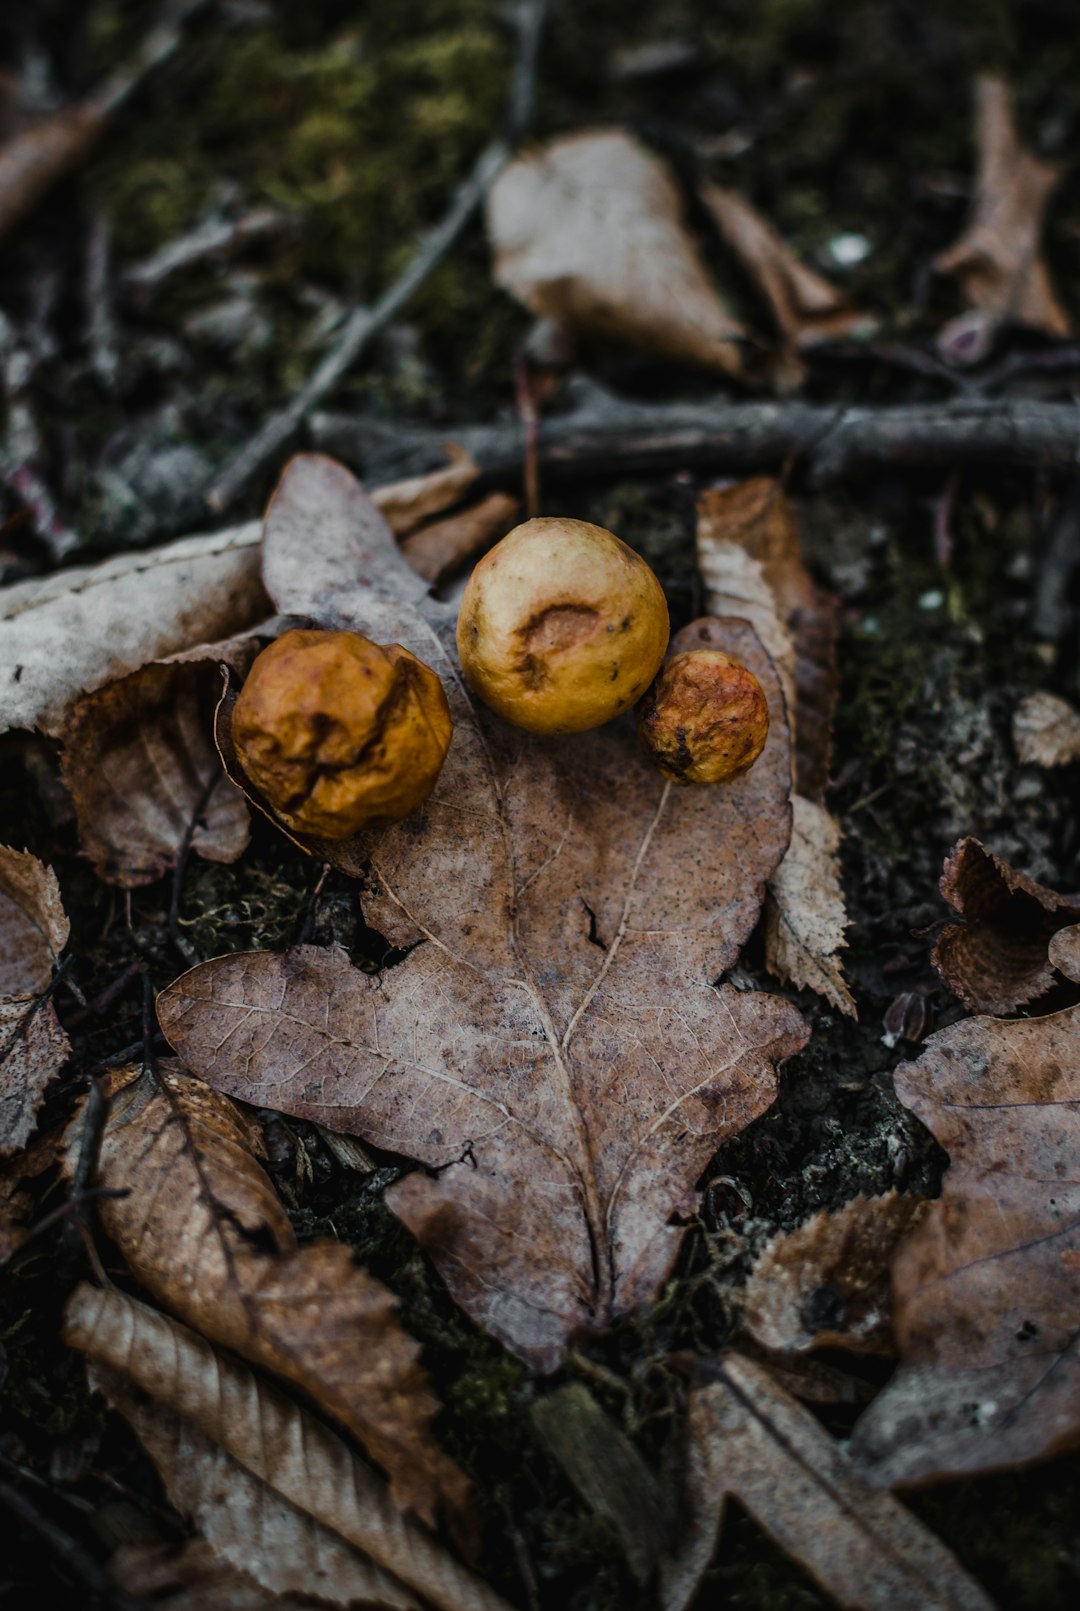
(364, 324)
(181, 942)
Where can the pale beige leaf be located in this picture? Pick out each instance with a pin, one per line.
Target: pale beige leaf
(33, 926)
(406, 505)
(805, 915)
(736, 584)
(246, 1524)
(998, 259)
(73, 631)
(751, 1442)
(193, 1578)
(986, 1292)
(826, 1284)
(203, 1231)
(33, 1050)
(439, 549)
(272, 1438)
(1064, 952)
(139, 759)
(589, 231)
(552, 1046)
(1046, 731)
(806, 308)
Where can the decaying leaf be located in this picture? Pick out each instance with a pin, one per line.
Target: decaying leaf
(1046, 731)
(806, 308)
(826, 1284)
(278, 1443)
(203, 1231)
(18, 1201)
(736, 584)
(986, 1292)
(33, 1046)
(1064, 952)
(72, 632)
(995, 960)
(751, 1442)
(443, 546)
(140, 761)
(757, 516)
(609, 1474)
(193, 1578)
(33, 925)
(246, 1524)
(552, 1045)
(589, 231)
(805, 917)
(406, 505)
(998, 259)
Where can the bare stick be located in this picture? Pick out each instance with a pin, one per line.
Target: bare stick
(605, 435)
(364, 324)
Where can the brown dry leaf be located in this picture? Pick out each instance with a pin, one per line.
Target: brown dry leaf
(986, 1293)
(18, 1202)
(34, 159)
(203, 1231)
(282, 1445)
(72, 632)
(750, 1441)
(552, 1046)
(826, 1284)
(140, 761)
(439, 549)
(1046, 731)
(995, 960)
(192, 1578)
(806, 308)
(1065, 952)
(33, 925)
(247, 1526)
(998, 259)
(750, 557)
(589, 231)
(758, 517)
(33, 1046)
(405, 505)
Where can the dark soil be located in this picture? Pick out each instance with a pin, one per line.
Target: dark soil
(852, 117)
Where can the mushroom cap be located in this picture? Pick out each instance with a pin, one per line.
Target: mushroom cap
(339, 733)
(562, 626)
(705, 719)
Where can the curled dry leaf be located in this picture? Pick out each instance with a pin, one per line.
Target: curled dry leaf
(736, 584)
(805, 917)
(998, 259)
(806, 308)
(1046, 731)
(140, 761)
(406, 505)
(552, 1045)
(986, 1292)
(33, 1046)
(750, 1441)
(76, 630)
(274, 1440)
(589, 231)
(247, 1526)
(443, 546)
(826, 1284)
(203, 1231)
(1065, 952)
(996, 960)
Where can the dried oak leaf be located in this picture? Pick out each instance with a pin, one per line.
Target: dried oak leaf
(72, 632)
(998, 259)
(203, 1231)
(1046, 731)
(33, 1046)
(986, 1292)
(140, 761)
(248, 1527)
(806, 308)
(750, 557)
(589, 231)
(552, 1046)
(285, 1447)
(750, 1441)
(826, 1284)
(995, 960)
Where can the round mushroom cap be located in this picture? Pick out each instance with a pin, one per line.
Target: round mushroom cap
(705, 719)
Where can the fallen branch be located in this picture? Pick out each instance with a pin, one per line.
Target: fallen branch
(604, 435)
(364, 324)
